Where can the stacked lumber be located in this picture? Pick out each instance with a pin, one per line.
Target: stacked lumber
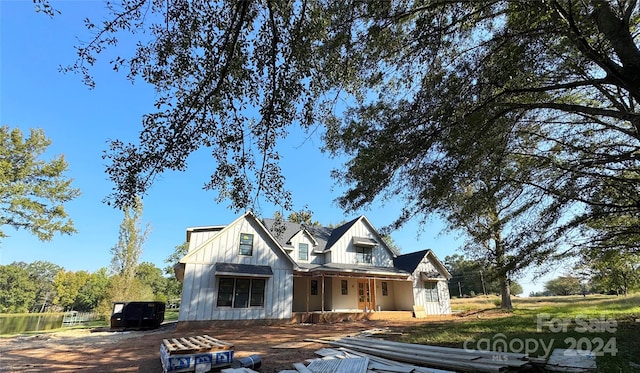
(192, 345)
(199, 354)
(416, 357)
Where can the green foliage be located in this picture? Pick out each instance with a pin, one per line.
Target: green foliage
(516, 288)
(68, 285)
(17, 290)
(614, 271)
(564, 285)
(42, 274)
(132, 236)
(36, 286)
(179, 252)
(33, 191)
(537, 100)
(150, 275)
(174, 287)
(93, 291)
(476, 277)
(124, 285)
(121, 289)
(304, 216)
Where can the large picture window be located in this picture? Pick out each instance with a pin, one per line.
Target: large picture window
(303, 251)
(241, 292)
(246, 244)
(363, 255)
(431, 291)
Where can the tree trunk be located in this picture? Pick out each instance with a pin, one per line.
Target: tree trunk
(506, 293)
(500, 256)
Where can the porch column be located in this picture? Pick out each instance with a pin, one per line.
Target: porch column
(308, 290)
(373, 295)
(322, 300)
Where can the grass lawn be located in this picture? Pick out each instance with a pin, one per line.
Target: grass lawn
(607, 325)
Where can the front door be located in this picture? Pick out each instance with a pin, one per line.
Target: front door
(364, 295)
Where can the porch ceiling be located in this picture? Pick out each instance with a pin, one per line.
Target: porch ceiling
(350, 270)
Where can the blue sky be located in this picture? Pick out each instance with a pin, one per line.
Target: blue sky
(80, 121)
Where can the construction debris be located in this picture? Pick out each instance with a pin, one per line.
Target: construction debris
(343, 360)
(387, 356)
(562, 360)
(238, 370)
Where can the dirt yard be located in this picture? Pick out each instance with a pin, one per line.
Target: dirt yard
(139, 351)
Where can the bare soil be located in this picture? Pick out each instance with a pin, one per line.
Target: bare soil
(139, 351)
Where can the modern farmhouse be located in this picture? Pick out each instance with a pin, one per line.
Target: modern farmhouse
(270, 270)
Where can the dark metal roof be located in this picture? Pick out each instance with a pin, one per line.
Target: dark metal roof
(244, 269)
(283, 231)
(409, 262)
(339, 232)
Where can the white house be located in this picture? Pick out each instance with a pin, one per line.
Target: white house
(271, 270)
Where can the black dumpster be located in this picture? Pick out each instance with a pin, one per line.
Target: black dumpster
(137, 315)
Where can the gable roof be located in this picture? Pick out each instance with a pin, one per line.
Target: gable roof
(409, 262)
(325, 237)
(284, 231)
(338, 232)
(394, 252)
(248, 215)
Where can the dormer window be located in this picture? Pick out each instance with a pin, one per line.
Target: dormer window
(303, 251)
(246, 244)
(364, 255)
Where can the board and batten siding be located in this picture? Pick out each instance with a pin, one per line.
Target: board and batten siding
(303, 237)
(443, 306)
(343, 250)
(199, 235)
(200, 286)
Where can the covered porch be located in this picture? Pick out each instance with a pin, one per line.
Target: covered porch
(353, 291)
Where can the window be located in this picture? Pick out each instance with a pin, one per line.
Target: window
(246, 244)
(314, 287)
(303, 251)
(241, 292)
(385, 288)
(225, 292)
(344, 287)
(363, 255)
(257, 293)
(431, 291)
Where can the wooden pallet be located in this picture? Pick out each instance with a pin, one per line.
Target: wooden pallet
(191, 345)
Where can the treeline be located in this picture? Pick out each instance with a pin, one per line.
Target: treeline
(474, 277)
(611, 272)
(43, 286)
(572, 285)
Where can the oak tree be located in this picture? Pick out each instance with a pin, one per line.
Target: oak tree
(417, 94)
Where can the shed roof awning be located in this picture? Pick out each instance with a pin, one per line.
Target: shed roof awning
(433, 275)
(234, 269)
(364, 242)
